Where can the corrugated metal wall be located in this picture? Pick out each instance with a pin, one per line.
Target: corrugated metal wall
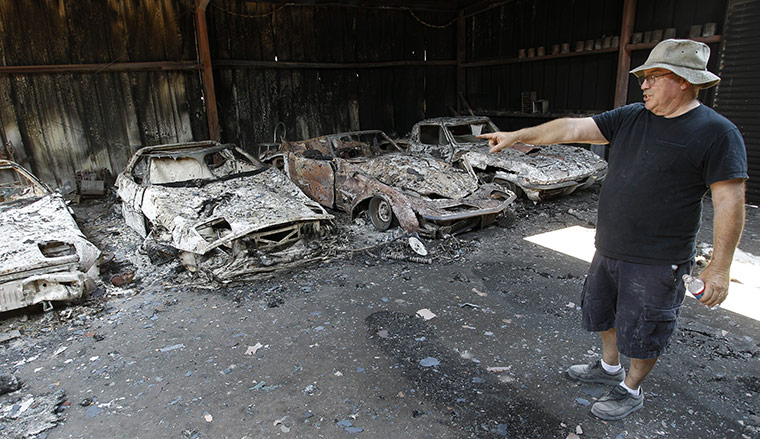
(738, 94)
(253, 42)
(59, 123)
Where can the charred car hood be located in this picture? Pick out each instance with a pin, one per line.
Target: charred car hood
(544, 166)
(428, 177)
(246, 204)
(40, 236)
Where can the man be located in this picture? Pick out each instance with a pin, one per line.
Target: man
(664, 154)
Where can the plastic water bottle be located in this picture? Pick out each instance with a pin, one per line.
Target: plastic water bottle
(694, 285)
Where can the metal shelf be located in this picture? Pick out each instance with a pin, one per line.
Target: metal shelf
(496, 62)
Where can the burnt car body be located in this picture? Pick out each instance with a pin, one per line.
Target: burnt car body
(367, 171)
(227, 214)
(44, 257)
(538, 172)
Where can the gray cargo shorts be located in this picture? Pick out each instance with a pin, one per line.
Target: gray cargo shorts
(641, 302)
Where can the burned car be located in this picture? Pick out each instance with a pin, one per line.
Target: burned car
(44, 257)
(365, 171)
(538, 172)
(226, 214)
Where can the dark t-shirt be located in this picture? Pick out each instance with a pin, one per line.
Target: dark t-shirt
(650, 205)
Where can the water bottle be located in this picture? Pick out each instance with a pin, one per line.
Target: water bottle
(694, 285)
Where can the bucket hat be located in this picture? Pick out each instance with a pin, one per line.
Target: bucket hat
(685, 58)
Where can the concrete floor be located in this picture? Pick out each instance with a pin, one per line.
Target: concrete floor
(335, 349)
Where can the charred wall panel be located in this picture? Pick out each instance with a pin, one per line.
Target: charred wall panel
(575, 83)
(352, 92)
(59, 123)
(738, 94)
(653, 15)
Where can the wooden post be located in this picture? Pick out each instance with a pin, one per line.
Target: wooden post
(624, 56)
(207, 74)
(461, 55)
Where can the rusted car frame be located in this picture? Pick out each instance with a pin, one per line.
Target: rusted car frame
(366, 171)
(44, 257)
(538, 172)
(227, 214)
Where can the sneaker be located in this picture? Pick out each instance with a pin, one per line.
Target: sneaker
(595, 373)
(617, 404)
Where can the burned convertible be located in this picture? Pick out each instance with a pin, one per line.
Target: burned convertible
(538, 172)
(365, 171)
(226, 214)
(44, 257)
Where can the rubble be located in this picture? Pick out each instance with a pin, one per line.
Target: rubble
(28, 416)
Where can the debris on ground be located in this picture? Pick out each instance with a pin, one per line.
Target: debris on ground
(30, 415)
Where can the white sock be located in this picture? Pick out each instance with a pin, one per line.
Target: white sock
(611, 369)
(631, 391)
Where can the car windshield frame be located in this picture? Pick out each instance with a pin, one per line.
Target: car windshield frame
(487, 128)
(192, 165)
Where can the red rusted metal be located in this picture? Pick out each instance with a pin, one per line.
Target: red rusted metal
(315, 178)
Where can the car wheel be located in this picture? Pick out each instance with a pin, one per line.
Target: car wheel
(380, 213)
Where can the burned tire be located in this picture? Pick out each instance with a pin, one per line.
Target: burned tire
(512, 187)
(380, 213)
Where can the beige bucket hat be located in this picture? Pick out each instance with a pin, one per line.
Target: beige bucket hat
(685, 58)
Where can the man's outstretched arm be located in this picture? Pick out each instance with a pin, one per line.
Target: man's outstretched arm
(728, 223)
(565, 130)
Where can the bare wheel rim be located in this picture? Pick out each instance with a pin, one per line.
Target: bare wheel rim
(380, 213)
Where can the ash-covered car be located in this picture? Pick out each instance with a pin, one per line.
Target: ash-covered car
(365, 171)
(44, 257)
(225, 213)
(539, 172)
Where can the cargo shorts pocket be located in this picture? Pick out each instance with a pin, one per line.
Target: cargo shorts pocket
(657, 327)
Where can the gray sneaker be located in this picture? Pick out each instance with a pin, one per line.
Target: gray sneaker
(617, 404)
(595, 373)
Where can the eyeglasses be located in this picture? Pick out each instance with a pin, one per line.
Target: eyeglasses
(651, 78)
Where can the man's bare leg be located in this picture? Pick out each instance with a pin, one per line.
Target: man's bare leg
(610, 353)
(638, 371)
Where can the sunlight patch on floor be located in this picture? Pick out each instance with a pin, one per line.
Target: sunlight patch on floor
(743, 292)
(575, 241)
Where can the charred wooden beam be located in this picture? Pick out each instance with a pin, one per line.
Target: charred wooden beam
(221, 64)
(109, 67)
(624, 55)
(207, 74)
(461, 56)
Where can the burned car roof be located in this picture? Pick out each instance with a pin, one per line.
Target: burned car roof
(44, 256)
(538, 172)
(366, 171)
(225, 212)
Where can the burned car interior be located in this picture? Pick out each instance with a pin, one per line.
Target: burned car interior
(16, 183)
(192, 167)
